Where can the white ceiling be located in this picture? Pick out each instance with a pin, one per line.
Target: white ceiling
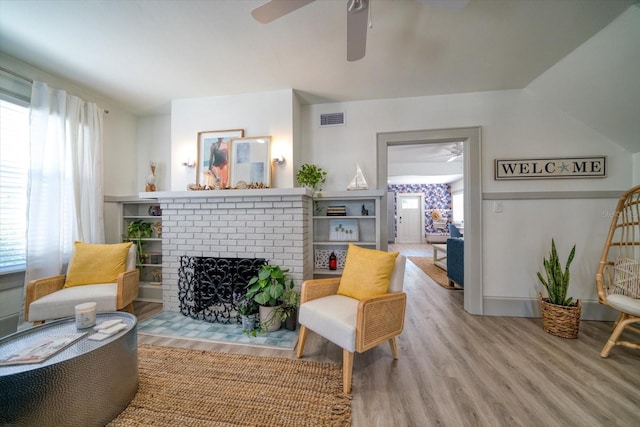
(146, 53)
(428, 163)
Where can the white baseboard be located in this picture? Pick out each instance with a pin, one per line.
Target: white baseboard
(529, 307)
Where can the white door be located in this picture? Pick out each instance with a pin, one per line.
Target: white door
(408, 220)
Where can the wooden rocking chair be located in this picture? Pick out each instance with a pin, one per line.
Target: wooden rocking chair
(618, 277)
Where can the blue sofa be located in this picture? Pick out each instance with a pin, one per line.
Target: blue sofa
(455, 261)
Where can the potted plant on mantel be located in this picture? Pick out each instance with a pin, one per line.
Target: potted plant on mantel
(267, 289)
(560, 315)
(312, 176)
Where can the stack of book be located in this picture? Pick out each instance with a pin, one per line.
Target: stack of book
(336, 210)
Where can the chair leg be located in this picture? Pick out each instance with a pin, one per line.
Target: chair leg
(394, 348)
(623, 321)
(347, 370)
(129, 308)
(302, 337)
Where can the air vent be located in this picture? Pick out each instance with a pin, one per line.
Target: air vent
(332, 119)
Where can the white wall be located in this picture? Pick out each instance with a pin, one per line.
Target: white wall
(259, 114)
(153, 140)
(119, 153)
(514, 124)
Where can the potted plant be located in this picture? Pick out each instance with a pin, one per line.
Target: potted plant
(267, 289)
(560, 314)
(289, 309)
(136, 231)
(247, 310)
(312, 176)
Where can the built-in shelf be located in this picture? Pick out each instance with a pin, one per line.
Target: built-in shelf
(368, 226)
(137, 209)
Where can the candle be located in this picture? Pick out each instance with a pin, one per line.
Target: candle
(85, 315)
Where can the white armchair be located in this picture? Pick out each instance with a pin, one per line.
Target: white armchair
(355, 325)
(48, 299)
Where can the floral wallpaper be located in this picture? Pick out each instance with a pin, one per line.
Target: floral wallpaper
(436, 196)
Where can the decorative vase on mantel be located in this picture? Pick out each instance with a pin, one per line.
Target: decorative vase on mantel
(151, 178)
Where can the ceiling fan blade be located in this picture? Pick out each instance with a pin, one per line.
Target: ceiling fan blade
(274, 9)
(357, 34)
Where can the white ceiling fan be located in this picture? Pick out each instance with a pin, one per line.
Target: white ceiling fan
(357, 18)
(456, 153)
(450, 152)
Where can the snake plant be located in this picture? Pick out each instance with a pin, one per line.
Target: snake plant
(557, 282)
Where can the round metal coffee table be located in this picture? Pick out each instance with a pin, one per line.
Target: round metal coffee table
(87, 384)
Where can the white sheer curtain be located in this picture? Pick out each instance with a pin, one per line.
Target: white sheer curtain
(65, 198)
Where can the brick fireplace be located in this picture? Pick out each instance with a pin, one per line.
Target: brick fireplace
(273, 224)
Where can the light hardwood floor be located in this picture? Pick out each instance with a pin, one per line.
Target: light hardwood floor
(456, 369)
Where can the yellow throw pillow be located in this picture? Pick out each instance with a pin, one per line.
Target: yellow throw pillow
(96, 263)
(367, 272)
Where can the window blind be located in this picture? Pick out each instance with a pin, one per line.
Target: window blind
(14, 166)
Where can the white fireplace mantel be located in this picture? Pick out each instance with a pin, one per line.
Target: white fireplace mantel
(263, 192)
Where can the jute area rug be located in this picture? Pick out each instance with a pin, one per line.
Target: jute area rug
(436, 273)
(181, 387)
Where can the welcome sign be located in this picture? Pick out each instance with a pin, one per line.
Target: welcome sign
(563, 167)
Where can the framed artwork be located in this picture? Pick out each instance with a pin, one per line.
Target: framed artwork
(345, 230)
(251, 161)
(213, 157)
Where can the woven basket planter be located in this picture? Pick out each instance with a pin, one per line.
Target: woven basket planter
(560, 320)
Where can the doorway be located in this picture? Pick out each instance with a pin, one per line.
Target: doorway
(473, 301)
(409, 218)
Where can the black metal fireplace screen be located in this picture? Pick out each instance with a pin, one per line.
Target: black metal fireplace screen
(206, 286)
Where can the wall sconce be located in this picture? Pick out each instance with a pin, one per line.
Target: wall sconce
(278, 160)
(189, 163)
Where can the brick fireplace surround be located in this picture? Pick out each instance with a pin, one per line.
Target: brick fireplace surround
(270, 223)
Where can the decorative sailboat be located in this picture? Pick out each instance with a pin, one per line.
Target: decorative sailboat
(358, 182)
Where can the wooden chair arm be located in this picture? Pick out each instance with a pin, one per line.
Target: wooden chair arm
(318, 288)
(128, 284)
(604, 278)
(36, 289)
(379, 319)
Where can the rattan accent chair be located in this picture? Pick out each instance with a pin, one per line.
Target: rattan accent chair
(354, 325)
(618, 277)
(48, 299)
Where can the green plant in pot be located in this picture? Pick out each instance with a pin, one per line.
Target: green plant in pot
(312, 176)
(136, 231)
(560, 314)
(267, 289)
(289, 310)
(246, 309)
